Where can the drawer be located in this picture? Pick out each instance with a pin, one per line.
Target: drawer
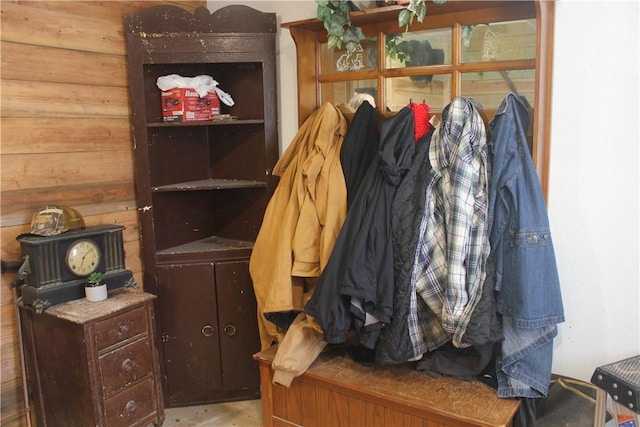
(132, 405)
(120, 327)
(125, 365)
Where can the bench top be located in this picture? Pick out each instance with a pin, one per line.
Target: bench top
(470, 402)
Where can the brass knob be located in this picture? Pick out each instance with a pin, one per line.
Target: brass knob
(123, 328)
(131, 406)
(229, 330)
(207, 330)
(127, 365)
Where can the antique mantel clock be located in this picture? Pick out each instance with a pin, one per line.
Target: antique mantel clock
(55, 268)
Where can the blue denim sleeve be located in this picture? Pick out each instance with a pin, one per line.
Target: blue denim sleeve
(527, 281)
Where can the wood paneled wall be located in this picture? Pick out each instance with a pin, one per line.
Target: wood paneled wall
(65, 136)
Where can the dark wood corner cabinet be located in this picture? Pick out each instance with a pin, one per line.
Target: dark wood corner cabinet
(201, 189)
(480, 49)
(94, 363)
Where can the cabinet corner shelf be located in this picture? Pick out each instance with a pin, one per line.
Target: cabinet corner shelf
(210, 249)
(205, 186)
(210, 184)
(224, 122)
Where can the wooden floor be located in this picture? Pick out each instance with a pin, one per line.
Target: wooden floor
(246, 413)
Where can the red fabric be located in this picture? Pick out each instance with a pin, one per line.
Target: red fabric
(420, 119)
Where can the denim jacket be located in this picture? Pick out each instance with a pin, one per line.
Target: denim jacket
(526, 276)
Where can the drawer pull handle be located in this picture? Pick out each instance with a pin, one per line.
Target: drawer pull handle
(207, 330)
(127, 365)
(229, 330)
(131, 406)
(123, 328)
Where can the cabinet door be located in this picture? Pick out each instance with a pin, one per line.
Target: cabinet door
(189, 332)
(239, 338)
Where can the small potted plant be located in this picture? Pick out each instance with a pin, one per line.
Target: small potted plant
(95, 289)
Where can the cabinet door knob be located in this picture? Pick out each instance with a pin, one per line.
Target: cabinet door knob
(207, 330)
(131, 406)
(127, 365)
(229, 330)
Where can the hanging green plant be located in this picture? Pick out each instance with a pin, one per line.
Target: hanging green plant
(335, 16)
(397, 48)
(337, 22)
(415, 9)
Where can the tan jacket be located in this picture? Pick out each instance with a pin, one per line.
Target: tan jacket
(303, 217)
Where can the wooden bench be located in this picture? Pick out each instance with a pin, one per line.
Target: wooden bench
(336, 391)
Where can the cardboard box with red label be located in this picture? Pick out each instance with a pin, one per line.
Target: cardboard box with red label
(185, 105)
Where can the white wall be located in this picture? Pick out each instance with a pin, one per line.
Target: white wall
(594, 187)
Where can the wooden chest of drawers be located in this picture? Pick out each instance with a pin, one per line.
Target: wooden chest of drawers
(94, 363)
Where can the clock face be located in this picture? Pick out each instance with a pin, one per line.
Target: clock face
(83, 257)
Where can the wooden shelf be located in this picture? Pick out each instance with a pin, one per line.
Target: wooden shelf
(209, 249)
(225, 122)
(377, 15)
(210, 184)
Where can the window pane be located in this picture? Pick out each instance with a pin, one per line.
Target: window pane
(435, 90)
(338, 61)
(418, 48)
(345, 92)
(499, 41)
(490, 88)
